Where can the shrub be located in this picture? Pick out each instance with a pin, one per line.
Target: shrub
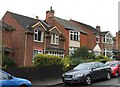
(102, 58)
(43, 59)
(8, 62)
(66, 61)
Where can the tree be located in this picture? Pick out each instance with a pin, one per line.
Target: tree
(80, 53)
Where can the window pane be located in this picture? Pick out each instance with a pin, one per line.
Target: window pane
(39, 35)
(71, 36)
(53, 38)
(35, 36)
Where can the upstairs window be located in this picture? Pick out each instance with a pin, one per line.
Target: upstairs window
(54, 38)
(97, 38)
(107, 40)
(75, 35)
(38, 36)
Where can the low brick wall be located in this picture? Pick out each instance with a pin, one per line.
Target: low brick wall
(37, 73)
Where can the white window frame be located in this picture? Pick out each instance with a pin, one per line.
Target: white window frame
(72, 49)
(109, 41)
(97, 38)
(36, 32)
(75, 35)
(107, 51)
(55, 39)
(60, 54)
(38, 52)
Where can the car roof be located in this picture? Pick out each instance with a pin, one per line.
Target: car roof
(91, 62)
(4, 72)
(113, 61)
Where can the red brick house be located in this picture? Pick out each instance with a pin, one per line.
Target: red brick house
(119, 45)
(116, 49)
(94, 42)
(32, 36)
(107, 42)
(100, 42)
(74, 36)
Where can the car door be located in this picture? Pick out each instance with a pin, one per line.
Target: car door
(119, 68)
(102, 70)
(95, 71)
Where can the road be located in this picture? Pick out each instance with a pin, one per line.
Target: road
(114, 82)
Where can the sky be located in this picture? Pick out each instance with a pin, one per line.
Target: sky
(103, 13)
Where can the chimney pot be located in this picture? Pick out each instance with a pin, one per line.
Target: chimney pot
(98, 27)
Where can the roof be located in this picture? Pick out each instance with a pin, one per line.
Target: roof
(27, 22)
(104, 33)
(69, 25)
(89, 27)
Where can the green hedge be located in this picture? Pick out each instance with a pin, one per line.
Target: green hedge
(43, 59)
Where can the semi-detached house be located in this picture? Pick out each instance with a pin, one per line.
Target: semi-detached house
(75, 37)
(54, 36)
(32, 36)
(94, 37)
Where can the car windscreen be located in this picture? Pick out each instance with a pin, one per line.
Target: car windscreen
(83, 66)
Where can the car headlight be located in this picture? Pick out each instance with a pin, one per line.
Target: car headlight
(79, 75)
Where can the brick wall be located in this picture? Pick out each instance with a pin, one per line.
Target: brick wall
(18, 39)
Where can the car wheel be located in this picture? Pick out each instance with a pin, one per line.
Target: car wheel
(67, 84)
(23, 86)
(108, 76)
(116, 74)
(88, 80)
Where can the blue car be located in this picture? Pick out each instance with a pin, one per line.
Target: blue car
(7, 80)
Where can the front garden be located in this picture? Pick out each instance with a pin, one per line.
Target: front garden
(49, 66)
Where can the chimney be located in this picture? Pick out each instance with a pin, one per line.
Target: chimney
(98, 28)
(49, 14)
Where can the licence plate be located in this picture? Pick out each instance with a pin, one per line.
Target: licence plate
(68, 78)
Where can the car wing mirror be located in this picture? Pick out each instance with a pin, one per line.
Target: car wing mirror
(10, 77)
(93, 68)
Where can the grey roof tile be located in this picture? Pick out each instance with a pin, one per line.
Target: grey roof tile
(27, 22)
(104, 33)
(89, 27)
(68, 25)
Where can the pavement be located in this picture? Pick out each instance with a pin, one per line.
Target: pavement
(47, 83)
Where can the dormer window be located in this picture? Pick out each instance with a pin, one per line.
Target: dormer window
(54, 38)
(75, 35)
(38, 36)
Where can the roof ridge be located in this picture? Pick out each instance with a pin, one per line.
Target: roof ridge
(21, 15)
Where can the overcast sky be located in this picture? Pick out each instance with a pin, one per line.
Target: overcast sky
(92, 12)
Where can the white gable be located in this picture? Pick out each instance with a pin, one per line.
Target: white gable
(97, 48)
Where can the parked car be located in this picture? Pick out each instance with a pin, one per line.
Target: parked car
(87, 73)
(8, 80)
(115, 67)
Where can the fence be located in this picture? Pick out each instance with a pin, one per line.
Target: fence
(37, 73)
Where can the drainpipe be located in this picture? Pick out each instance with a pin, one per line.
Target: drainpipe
(44, 39)
(1, 45)
(25, 49)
